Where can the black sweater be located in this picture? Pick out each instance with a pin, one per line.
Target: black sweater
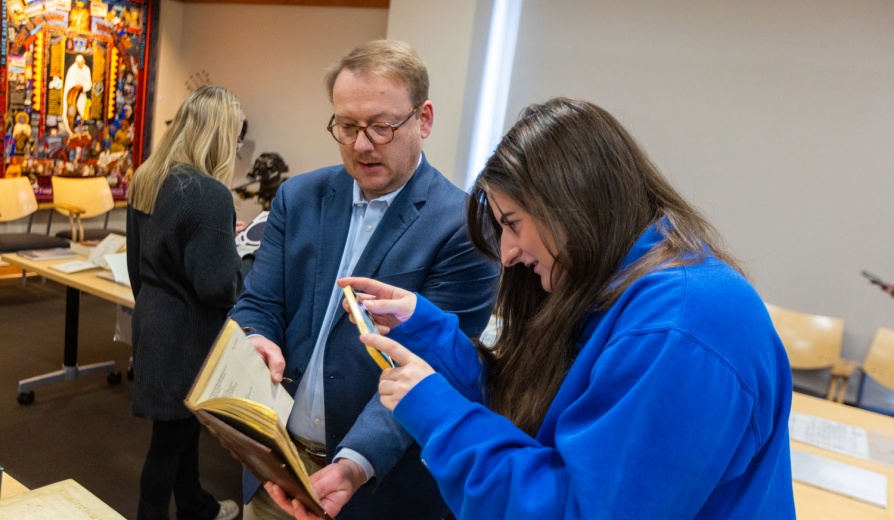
(185, 273)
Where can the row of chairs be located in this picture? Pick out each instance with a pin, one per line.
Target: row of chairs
(77, 198)
(813, 342)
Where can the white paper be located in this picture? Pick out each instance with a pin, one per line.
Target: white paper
(110, 244)
(828, 434)
(75, 266)
(838, 477)
(66, 499)
(118, 264)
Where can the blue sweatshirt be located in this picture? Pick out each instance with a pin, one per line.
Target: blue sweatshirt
(676, 407)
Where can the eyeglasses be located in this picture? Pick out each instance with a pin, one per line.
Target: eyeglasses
(377, 133)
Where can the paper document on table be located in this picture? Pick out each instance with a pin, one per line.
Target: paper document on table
(74, 267)
(118, 264)
(830, 435)
(66, 499)
(838, 477)
(110, 245)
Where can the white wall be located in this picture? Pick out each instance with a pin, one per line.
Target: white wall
(441, 32)
(775, 118)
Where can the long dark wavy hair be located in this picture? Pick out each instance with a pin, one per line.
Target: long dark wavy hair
(591, 187)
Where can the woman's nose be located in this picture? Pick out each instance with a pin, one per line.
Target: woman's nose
(508, 253)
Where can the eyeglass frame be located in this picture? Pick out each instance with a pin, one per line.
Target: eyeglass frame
(362, 128)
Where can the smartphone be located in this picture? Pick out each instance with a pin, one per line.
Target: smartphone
(875, 279)
(366, 325)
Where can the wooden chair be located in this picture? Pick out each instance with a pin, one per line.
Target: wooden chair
(812, 341)
(17, 201)
(94, 198)
(879, 361)
(878, 365)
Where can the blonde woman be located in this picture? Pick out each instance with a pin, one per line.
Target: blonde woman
(185, 272)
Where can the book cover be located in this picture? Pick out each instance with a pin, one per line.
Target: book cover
(234, 398)
(54, 253)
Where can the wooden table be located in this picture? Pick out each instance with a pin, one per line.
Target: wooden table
(814, 503)
(10, 487)
(75, 283)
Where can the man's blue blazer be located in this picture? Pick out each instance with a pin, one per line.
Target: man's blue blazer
(421, 245)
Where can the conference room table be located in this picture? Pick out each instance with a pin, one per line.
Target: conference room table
(812, 503)
(88, 282)
(10, 487)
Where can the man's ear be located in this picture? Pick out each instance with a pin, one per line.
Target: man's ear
(426, 118)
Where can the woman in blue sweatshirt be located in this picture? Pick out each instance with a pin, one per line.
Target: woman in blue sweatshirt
(637, 373)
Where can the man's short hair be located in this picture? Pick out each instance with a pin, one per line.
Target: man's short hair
(391, 59)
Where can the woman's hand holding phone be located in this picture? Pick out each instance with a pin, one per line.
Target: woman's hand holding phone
(389, 305)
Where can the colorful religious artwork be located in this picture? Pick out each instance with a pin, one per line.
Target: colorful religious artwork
(73, 89)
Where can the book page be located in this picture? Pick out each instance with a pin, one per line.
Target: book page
(235, 369)
(118, 264)
(66, 499)
(111, 244)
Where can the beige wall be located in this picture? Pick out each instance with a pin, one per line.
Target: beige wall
(273, 57)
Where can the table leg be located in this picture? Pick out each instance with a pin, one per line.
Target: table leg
(70, 369)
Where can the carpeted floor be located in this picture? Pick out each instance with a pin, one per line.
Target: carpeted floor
(80, 429)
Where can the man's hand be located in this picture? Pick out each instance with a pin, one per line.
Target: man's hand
(395, 383)
(390, 305)
(335, 484)
(272, 355)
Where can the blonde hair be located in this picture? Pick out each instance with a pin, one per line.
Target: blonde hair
(203, 135)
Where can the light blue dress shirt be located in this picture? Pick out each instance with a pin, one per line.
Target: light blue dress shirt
(308, 419)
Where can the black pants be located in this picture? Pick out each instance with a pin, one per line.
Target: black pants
(172, 467)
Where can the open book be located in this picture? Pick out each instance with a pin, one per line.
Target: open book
(96, 258)
(235, 399)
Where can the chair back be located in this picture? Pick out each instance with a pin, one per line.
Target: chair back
(91, 194)
(17, 198)
(879, 361)
(811, 341)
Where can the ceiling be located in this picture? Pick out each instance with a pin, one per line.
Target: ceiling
(378, 4)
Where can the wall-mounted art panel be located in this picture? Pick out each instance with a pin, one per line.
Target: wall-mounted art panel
(74, 77)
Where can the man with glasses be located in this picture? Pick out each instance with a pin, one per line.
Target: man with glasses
(386, 214)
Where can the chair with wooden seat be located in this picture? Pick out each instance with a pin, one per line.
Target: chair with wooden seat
(17, 201)
(878, 374)
(812, 341)
(93, 196)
